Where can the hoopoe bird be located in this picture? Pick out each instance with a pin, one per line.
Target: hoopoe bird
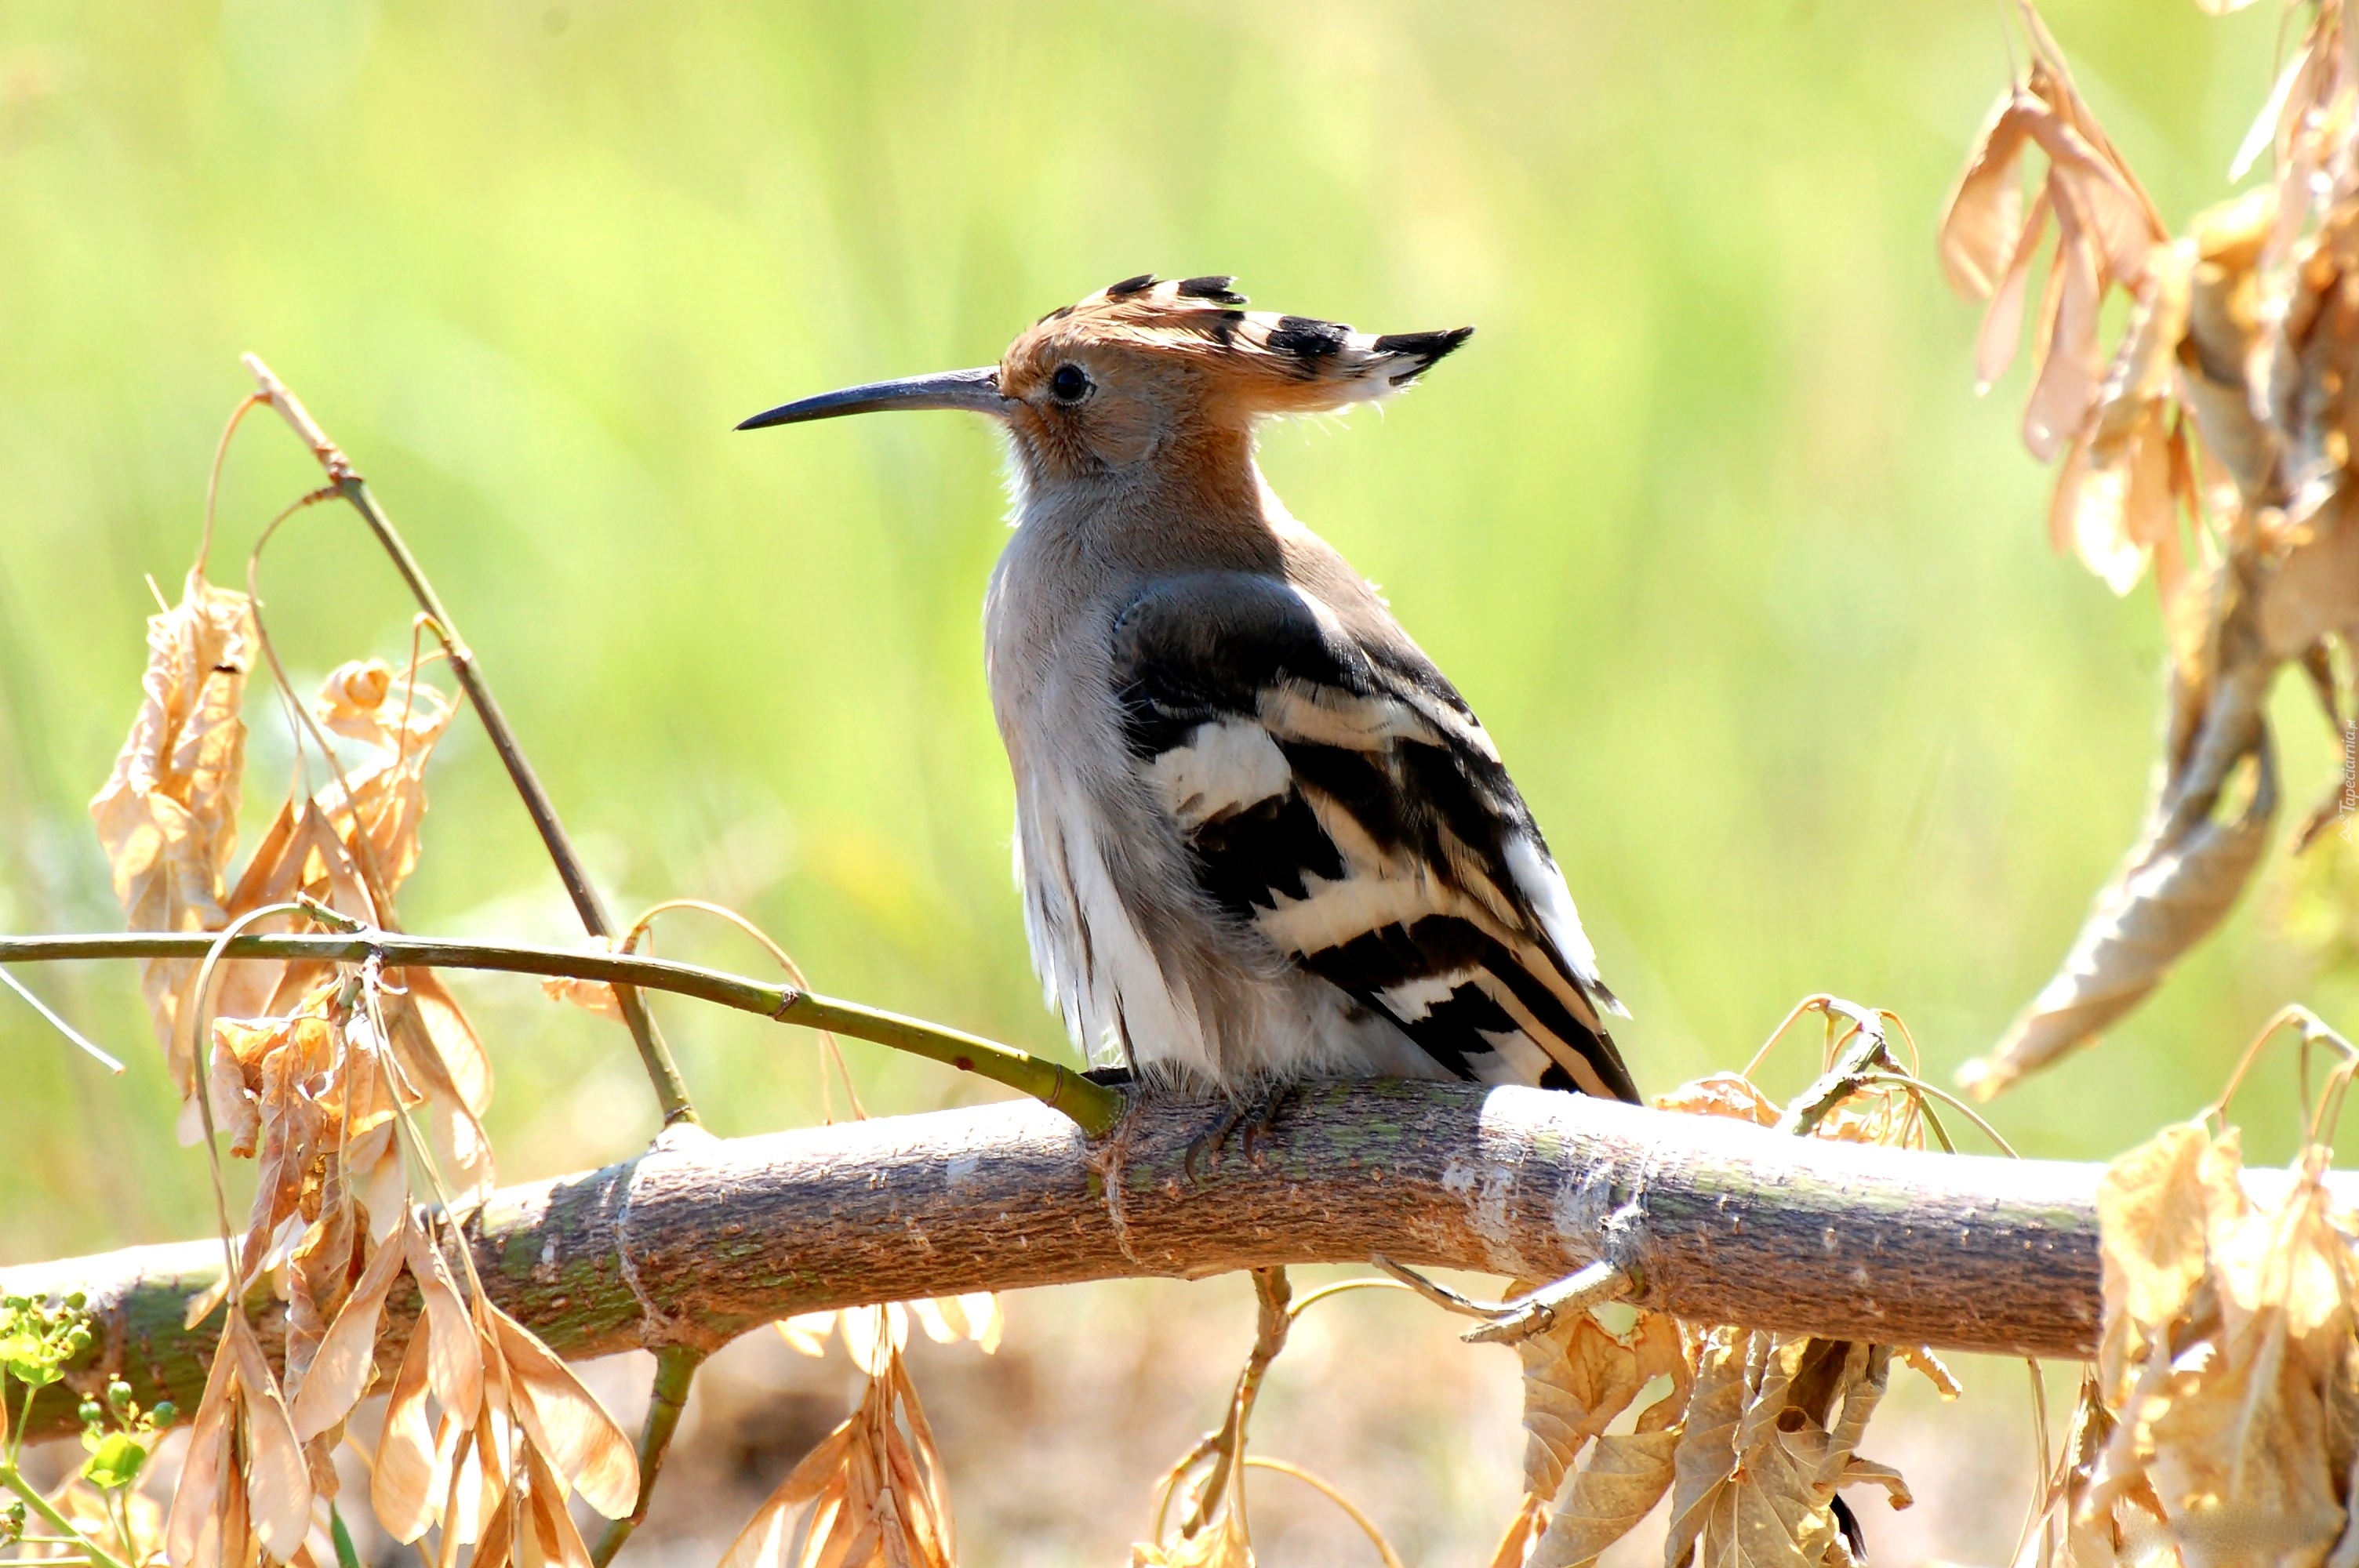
(1260, 838)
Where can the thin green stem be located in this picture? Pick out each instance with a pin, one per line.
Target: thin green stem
(24, 1421)
(1094, 1107)
(663, 1073)
(14, 1479)
(676, 1368)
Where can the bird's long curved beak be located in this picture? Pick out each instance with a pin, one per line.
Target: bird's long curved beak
(976, 391)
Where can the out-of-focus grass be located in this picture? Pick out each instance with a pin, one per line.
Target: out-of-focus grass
(1707, 522)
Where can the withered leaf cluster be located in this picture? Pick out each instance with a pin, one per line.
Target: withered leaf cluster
(1753, 1435)
(871, 1494)
(2212, 444)
(314, 1071)
(2220, 1426)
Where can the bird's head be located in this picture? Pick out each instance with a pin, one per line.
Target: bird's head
(1143, 369)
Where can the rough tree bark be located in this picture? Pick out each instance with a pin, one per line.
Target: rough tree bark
(702, 1238)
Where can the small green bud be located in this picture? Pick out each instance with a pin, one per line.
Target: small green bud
(91, 1412)
(114, 1460)
(77, 1300)
(164, 1412)
(118, 1393)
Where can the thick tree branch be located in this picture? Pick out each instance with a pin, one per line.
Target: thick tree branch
(701, 1240)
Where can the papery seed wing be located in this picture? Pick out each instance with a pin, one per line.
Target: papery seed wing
(346, 1360)
(454, 1362)
(566, 1423)
(1983, 219)
(401, 1485)
(278, 1478)
(191, 1536)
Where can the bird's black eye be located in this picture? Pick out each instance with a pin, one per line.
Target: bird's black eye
(1070, 383)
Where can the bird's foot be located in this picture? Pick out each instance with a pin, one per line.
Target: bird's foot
(1255, 1116)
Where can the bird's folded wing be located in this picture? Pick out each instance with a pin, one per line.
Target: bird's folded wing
(1342, 799)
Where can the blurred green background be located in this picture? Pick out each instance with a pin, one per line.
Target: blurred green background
(1707, 522)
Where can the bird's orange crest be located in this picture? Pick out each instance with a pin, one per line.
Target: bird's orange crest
(1238, 363)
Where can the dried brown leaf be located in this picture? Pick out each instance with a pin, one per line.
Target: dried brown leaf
(872, 1336)
(442, 1057)
(874, 1488)
(1706, 1454)
(2313, 591)
(2239, 1464)
(2227, 1363)
(2178, 885)
(398, 721)
(591, 996)
(2086, 176)
(166, 815)
(1771, 1430)
(465, 1064)
(2119, 493)
(1577, 1379)
(246, 1481)
(1620, 1480)
(947, 1320)
(1731, 1095)
(2151, 1207)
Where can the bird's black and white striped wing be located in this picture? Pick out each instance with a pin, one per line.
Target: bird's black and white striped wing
(1340, 798)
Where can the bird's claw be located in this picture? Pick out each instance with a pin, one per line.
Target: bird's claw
(1255, 1116)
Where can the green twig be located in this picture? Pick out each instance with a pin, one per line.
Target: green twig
(1094, 1106)
(676, 1368)
(14, 1479)
(671, 1091)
